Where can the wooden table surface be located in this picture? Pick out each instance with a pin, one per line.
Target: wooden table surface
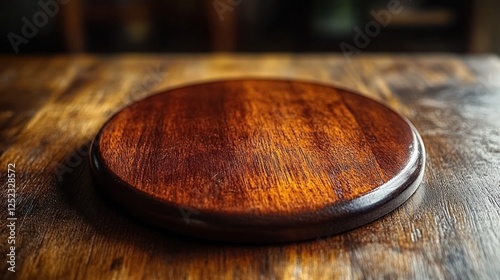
(52, 107)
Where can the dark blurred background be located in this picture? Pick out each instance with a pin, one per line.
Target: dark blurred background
(106, 26)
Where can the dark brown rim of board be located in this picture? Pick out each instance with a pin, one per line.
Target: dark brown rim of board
(271, 228)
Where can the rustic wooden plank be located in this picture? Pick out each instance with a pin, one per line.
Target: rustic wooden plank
(448, 229)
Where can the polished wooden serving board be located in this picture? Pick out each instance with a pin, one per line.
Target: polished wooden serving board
(258, 160)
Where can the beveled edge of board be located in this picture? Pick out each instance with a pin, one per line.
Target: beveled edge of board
(270, 228)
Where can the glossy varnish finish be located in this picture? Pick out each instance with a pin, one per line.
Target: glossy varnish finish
(258, 160)
(52, 107)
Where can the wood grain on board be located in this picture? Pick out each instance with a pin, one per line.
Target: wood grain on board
(52, 107)
(258, 160)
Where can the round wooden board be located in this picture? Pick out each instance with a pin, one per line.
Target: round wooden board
(258, 161)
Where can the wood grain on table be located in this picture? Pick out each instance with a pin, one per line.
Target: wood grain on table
(51, 107)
